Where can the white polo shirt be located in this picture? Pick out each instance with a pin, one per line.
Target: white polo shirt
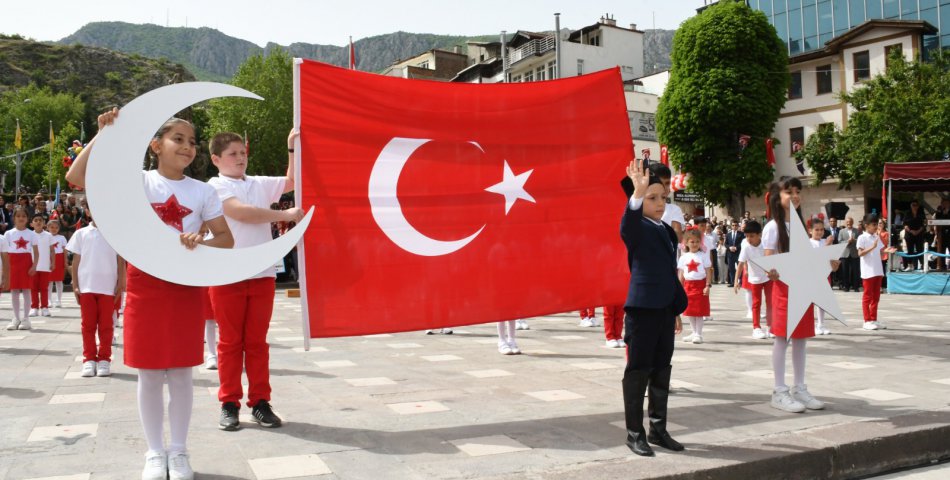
(871, 265)
(43, 241)
(256, 191)
(98, 261)
(757, 276)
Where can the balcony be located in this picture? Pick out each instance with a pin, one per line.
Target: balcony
(534, 48)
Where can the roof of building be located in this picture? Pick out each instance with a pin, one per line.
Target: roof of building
(488, 68)
(836, 44)
(590, 28)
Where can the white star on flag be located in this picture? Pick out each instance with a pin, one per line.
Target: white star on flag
(805, 270)
(512, 187)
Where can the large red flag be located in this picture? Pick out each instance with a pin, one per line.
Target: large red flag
(444, 204)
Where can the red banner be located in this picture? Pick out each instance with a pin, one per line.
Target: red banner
(445, 204)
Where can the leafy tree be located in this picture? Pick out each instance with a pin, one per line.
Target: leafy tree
(728, 78)
(900, 116)
(821, 153)
(266, 122)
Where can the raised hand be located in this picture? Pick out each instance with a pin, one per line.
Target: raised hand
(108, 117)
(640, 178)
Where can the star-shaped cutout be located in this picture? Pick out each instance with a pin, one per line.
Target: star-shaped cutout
(21, 243)
(512, 187)
(171, 212)
(805, 270)
(693, 265)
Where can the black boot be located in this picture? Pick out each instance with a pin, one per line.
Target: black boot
(659, 396)
(634, 386)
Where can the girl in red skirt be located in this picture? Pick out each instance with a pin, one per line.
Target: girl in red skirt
(695, 273)
(22, 252)
(164, 322)
(784, 194)
(58, 274)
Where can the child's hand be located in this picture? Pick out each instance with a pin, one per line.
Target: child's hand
(640, 178)
(191, 240)
(32, 271)
(678, 326)
(890, 249)
(294, 133)
(735, 289)
(293, 214)
(834, 265)
(706, 291)
(773, 275)
(108, 117)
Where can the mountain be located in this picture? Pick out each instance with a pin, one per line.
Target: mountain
(212, 55)
(102, 77)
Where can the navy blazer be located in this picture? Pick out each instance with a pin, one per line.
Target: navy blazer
(739, 237)
(652, 257)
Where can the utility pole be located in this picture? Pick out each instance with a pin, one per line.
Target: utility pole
(557, 45)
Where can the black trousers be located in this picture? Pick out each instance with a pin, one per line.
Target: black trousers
(648, 333)
(850, 273)
(713, 257)
(732, 259)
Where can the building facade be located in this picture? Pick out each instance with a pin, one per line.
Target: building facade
(434, 64)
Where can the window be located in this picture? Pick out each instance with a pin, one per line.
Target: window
(890, 50)
(539, 73)
(529, 76)
(826, 127)
(862, 66)
(551, 75)
(796, 139)
(626, 69)
(795, 87)
(516, 79)
(580, 66)
(823, 79)
(424, 64)
(595, 40)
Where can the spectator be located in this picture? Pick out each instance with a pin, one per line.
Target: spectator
(914, 223)
(851, 271)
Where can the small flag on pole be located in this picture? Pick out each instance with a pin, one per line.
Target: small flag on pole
(18, 138)
(52, 138)
(352, 55)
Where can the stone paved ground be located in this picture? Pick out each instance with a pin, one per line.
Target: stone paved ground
(411, 406)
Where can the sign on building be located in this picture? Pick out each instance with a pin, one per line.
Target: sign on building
(687, 197)
(642, 125)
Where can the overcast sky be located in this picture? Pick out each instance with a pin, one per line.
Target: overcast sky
(331, 22)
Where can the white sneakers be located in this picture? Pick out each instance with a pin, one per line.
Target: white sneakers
(782, 400)
(758, 334)
(103, 369)
(822, 330)
(34, 312)
(585, 322)
(156, 466)
(522, 325)
(615, 344)
(800, 393)
(45, 312)
(211, 361)
(870, 326)
(14, 324)
(697, 339)
(689, 338)
(88, 369)
(508, 348)
(24, 325)
(178, 467)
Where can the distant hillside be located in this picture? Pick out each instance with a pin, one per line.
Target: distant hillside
(657, 46)
(101, 77)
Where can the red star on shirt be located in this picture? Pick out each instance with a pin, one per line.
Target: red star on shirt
(693, 265)
(21, 243)
(171, 212)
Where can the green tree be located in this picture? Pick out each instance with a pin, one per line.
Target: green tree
(35, 108)
(821, 153)
(266, 122)
(729, 77)
(900, 116)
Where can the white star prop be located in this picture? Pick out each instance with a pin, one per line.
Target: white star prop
(512, 187)
(805, 270)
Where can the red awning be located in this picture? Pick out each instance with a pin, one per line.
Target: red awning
(919, 176)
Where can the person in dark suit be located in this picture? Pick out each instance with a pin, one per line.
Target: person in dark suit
(655, 298)
(733, 247)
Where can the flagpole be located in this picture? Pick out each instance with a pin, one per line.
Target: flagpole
(16, 192)
(49, 176)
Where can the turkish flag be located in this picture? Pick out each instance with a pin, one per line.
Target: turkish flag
(446, 204)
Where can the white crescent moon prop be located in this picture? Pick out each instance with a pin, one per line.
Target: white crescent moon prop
(385, 204)
(125, 217)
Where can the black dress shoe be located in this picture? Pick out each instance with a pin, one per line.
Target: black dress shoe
(664, 440)
(639, 445)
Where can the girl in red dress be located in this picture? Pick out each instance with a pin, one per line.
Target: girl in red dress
(695, 273)
(22, 253)
(164, 322)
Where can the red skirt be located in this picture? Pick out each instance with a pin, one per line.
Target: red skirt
(806, 326)
(207, 310)
(20, 264)
(59, 268)
(163, 324)
(698, 304)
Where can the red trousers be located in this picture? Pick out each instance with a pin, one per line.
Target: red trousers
(587, 312)
(613, 322)
(871, 297)
(96, 311)
(39, 291)
(757, 290)
(243, 312)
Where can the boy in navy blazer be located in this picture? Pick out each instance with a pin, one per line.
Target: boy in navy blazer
(655, 299)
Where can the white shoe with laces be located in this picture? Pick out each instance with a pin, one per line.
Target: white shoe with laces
(800, 393)
(88, 369)
(178, 467)
(782, 400)
(156, 466)
(103, 369)
(758, 334)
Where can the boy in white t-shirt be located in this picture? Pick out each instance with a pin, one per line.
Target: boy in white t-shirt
(98, 276)
(243, 309)
(869, 247)
(757, 279)
(39, 293)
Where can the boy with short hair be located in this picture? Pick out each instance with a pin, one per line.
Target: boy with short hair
(757, 279)
(870, 246)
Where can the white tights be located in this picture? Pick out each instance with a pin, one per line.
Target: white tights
(59, 292)
(506, 331)
(748, 300)
(821, 317)
(152, 411)
(779, 349)
(16, 294)
(696, 324)
(210, 326)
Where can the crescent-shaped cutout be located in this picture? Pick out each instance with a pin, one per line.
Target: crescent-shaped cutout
(125, 217)
(385, 204)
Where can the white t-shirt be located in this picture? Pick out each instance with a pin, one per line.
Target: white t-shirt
(20, 241)
(694, 265)
(871, 262)
(97, 263)
(757, 276)
(770, 235)
(711, 240)
(257, 191)
(673, 213)
(59, 243)
(194, 202)
(43, 241)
